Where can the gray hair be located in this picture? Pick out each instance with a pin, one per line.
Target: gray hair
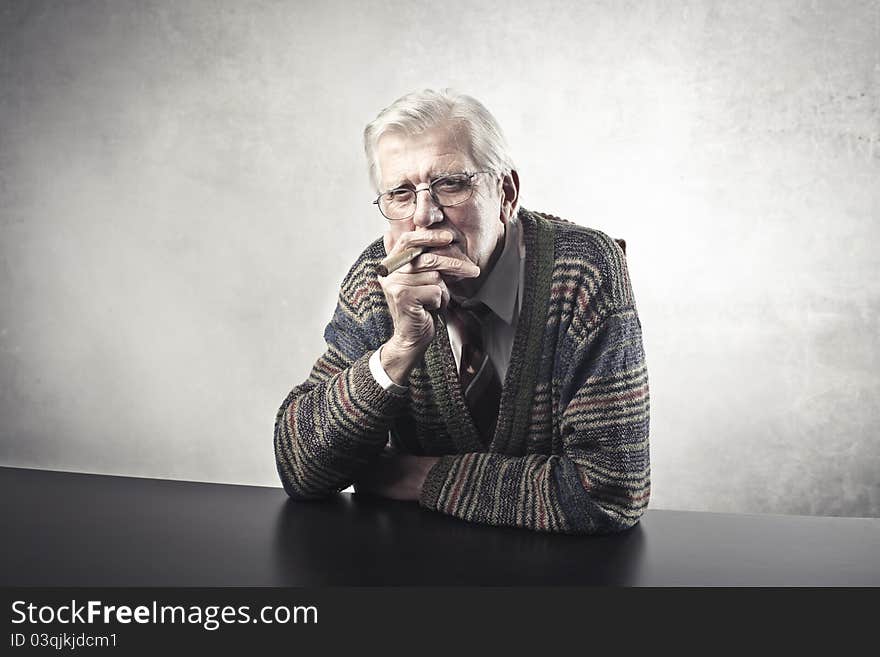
(421, 110)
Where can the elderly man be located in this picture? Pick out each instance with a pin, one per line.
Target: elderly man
(499, 376)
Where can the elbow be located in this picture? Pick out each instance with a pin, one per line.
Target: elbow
(288, 483)
(300, 490)
(623, 510)
(300, 481)
(595, 506)
(296, 484)
(294, 481)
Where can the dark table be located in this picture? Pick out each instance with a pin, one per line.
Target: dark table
(67, 529)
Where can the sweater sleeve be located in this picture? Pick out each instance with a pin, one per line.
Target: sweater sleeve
(334, 423)
(596, 479)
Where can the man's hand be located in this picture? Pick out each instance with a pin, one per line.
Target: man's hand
(412, 292)
(397, 476)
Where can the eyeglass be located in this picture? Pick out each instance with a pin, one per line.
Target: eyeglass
(446, 192)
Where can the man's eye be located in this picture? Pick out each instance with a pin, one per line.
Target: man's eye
(400, 194)
(451, 184)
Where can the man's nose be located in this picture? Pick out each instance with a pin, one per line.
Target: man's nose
(427, 211)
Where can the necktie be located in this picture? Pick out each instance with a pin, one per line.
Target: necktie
(480, 383)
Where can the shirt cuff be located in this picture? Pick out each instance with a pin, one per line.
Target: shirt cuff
(382, 377)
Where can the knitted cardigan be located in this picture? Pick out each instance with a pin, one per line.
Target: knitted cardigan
(570, 452)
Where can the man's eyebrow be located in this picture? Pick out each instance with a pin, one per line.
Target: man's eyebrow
(401, 182)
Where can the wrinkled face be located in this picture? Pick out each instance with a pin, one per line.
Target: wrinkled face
(477, 224)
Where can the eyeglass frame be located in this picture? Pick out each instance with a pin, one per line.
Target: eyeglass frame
(430, 189)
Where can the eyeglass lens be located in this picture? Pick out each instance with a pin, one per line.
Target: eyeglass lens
(447, 191)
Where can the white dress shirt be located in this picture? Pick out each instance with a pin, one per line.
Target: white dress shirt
(501, 292)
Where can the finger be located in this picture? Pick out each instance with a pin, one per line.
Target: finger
(414, 298)
(455, 267)
(404, 277)
(435, 302)
(429, 297)
(424, 238)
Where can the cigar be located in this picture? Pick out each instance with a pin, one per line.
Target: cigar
(393, 263)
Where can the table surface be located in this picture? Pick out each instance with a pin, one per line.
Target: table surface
(72, 529)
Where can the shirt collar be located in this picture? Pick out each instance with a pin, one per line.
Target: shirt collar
(501, 287)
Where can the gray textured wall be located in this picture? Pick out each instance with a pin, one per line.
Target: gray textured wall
(182, 190)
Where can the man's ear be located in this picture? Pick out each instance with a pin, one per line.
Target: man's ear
(509, 195)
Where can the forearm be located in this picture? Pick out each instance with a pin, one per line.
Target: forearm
(327, 431)
(494, 489)
(537, 492)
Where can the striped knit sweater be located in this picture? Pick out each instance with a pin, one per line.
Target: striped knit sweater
(570, 453)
